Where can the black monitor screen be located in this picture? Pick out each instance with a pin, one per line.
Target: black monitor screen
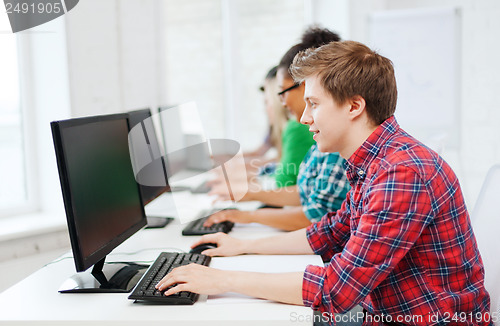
(101, 197)
(147, 159)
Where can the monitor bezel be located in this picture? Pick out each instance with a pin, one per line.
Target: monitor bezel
(83, 263)
(147, 112)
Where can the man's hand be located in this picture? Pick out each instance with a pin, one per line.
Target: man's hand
(194, 278)
(231, 215)
(240, 191)
(226, 245)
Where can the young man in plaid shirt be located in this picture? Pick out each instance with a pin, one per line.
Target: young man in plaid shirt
(401, 245)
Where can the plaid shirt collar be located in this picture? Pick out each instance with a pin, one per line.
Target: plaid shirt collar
(356, 166)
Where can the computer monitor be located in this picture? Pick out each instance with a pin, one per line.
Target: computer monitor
(187, 149)
(101, 198)
(173, 139)
(148, 162)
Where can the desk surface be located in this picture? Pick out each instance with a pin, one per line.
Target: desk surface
(36, 300)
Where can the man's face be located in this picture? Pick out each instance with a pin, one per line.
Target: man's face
(269, 94)
(326, 119)
(293, 99)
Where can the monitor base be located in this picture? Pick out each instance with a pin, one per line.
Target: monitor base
(155, 222)
(122, 277)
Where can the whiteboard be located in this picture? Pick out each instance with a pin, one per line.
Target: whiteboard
(424, 46)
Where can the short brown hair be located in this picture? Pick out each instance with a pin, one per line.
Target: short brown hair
(350, 68)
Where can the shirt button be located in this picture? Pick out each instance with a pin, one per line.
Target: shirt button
(361, 173)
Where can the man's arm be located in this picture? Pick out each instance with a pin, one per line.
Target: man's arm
(282, 287)
(291, 243)
(288, 219)
(326, 191)
(247, 191)
(285, 196)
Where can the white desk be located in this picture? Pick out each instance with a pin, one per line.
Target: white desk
(36, 301)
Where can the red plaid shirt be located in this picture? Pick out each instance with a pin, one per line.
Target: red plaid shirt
(402, 244)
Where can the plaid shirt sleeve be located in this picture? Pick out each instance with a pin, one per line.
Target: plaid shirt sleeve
(328, 188)
(398, 207)
(328, 236)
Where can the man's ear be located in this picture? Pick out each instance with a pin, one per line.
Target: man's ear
(357, 106)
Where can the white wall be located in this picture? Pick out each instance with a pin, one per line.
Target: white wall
(113, 51)
(331, 14)
(118, 61)
(218, 52)
(479, 107)
(163, 52)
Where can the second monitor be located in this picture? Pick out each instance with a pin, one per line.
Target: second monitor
(187, 149)
(147, 160)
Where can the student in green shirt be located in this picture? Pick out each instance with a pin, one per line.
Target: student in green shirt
(296, 142)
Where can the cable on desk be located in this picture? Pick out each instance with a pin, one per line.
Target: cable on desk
(147, 249)
(122, 253)
(56, 261)
(137, 262)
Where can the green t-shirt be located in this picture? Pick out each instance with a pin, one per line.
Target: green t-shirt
(296, 142)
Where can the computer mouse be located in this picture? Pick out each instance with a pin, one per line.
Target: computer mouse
(204, 246)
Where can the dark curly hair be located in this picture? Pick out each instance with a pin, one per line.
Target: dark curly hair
(313, 37)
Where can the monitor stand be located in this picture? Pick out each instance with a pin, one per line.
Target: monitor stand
(118, 277)
(155, 222)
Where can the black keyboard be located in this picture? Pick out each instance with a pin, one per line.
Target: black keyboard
(145, 290)
(196, 227)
